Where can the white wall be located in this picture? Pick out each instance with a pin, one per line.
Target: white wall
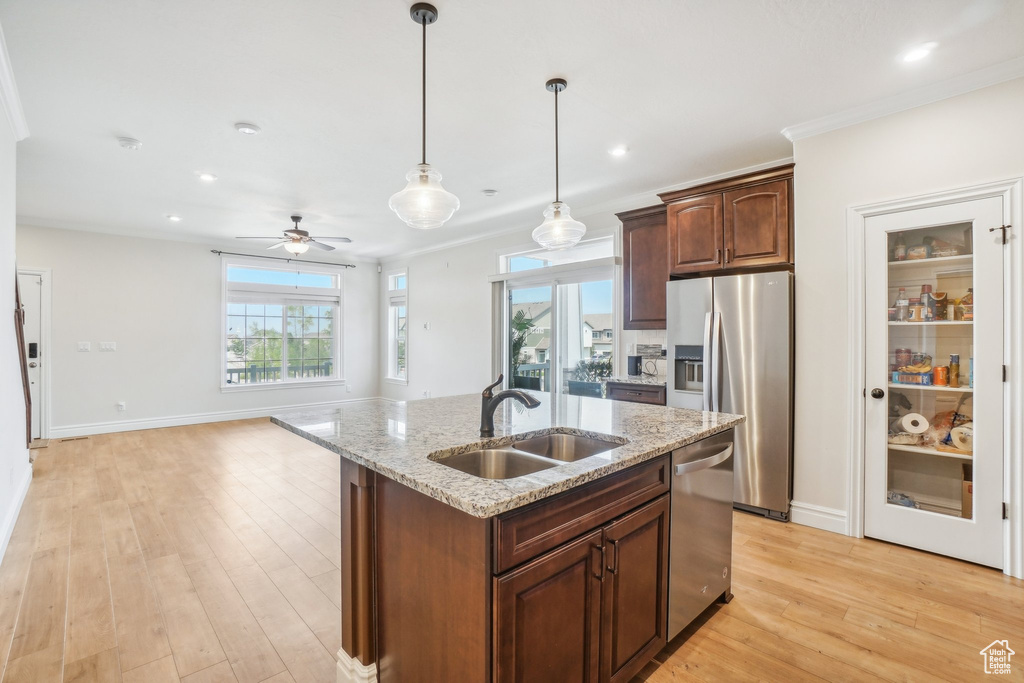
(966, 140)
(448, 290)
(161, 302)
(15, 471)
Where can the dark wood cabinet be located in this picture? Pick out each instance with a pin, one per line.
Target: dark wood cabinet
(547, 616)
(695, 235)
(633, 618)
(644, 269)
(590, 610)
(637, 393)
(731, 224)
(569, 588)
(757, 225)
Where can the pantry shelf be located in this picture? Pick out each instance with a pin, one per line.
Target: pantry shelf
(931, 323)
(929, 451)
(939, 261)
(931, 387)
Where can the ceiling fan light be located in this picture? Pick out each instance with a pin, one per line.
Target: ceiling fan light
(559, 229)
(297, 247)
(424, 204)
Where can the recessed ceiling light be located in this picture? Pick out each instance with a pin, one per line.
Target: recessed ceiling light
(918, 53)
(618, 151)
(489, 193)
(207, 177)
(129, 143)
(247, 128)
(174, 219)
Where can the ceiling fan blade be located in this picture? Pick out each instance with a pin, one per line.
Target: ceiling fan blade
(319, 245)
(279, 244)
(257, 238)
(331, 239)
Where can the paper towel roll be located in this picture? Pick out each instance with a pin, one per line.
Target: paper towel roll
(963, 436)
(915, 423)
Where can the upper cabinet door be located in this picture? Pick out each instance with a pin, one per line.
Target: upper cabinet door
(757, 225)
(645, 271)
(695, 235)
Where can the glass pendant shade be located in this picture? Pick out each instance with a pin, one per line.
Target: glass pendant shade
(297, 247)
(424, 204)
(559, 230)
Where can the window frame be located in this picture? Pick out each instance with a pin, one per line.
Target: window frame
(395, 298)
(335, 299)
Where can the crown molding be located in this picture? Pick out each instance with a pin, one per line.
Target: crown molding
(998, 73)
(9, 98)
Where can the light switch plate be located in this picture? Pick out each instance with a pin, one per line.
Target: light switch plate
(84, 346)
(108, 346)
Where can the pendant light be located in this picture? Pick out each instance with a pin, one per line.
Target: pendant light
(559, 230)
(424, 203)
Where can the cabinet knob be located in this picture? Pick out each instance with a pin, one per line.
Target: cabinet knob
(877, 393)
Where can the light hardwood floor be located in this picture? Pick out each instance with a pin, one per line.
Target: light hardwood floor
(211, 553)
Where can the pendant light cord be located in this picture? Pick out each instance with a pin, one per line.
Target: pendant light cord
(424, 62)
(556, 143)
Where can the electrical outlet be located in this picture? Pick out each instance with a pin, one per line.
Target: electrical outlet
(108, 346)
(121, 406)
(84, 346)
(426, 394)
(348, 388)
(426, 326)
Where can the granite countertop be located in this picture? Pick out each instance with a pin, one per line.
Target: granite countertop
(655, 380)
(396, 438)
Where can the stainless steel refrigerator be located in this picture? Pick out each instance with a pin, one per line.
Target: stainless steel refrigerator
(730, 339)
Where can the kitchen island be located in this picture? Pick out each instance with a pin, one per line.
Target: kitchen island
(450, 576)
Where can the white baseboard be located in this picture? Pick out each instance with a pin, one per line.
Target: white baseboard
(353, 671)
(66, 431)
(12, 514)
(819, 517)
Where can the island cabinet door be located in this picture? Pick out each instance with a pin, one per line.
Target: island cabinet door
(635, 584)
(547, 616)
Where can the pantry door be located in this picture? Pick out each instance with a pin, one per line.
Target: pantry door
(933, 444)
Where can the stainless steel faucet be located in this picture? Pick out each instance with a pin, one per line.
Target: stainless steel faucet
(489, 403)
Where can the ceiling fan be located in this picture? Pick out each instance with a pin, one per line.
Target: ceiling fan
(298, 241)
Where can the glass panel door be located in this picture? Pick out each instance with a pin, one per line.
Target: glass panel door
(529, 344)
(586, 336)
(933, 447)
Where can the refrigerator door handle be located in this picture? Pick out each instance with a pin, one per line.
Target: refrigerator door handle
(707, 361)
(716, 362)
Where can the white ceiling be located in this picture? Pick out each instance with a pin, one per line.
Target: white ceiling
(693, 88)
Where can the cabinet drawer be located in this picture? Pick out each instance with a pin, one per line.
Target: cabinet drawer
(523, 534)
(637, 393)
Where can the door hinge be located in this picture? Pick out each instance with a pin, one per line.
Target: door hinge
(1004, 228)
(1006, 511)
(1004, 373)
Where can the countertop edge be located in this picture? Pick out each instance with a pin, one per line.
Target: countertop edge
(493, 510)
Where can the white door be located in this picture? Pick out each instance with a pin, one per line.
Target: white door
(32, 299)
(934, 442)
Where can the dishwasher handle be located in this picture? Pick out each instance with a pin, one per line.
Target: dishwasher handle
(704, 463)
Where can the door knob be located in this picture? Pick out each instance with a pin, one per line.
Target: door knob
(32, 365)
(877, 393)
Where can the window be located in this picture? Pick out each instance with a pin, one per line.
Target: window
(282, 326)
(555, 331)
(398, 327)
(587, 250)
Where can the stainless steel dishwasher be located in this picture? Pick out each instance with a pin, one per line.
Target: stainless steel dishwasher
(700, 531)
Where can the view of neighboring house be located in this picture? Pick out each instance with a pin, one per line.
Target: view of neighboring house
(598, 334)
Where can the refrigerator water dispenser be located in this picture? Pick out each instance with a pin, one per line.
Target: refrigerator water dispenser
(689, 368)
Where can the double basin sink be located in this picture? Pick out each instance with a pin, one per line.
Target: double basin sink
(528, 455)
